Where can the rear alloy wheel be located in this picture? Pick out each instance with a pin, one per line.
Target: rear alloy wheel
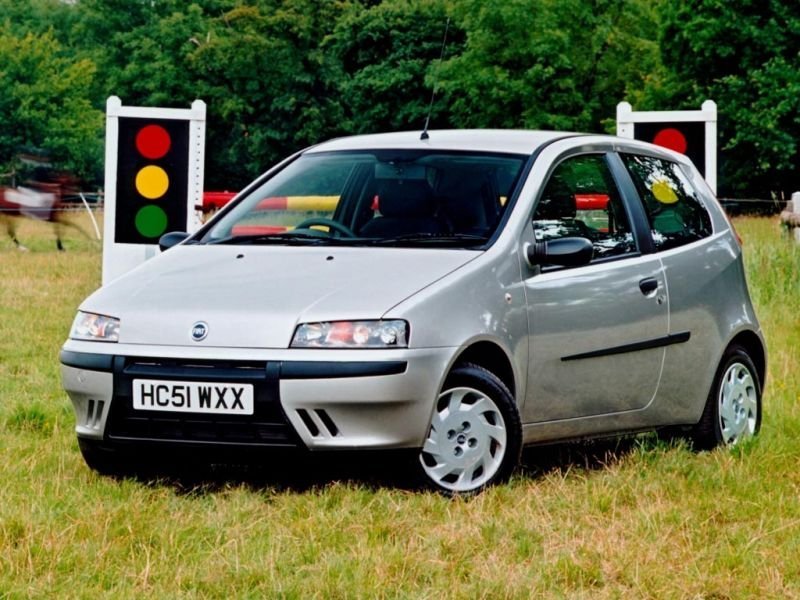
(475, 435)
(733, 408)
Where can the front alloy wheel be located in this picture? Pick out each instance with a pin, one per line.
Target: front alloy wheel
(475, 433)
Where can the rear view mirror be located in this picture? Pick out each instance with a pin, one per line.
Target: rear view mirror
(562, 252)
(173, 238)
(400, 170)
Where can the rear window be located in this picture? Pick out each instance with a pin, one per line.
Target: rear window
(674, 210)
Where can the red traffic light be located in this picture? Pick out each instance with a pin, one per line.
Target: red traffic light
(153, 141)
(685, 137)
(671, 138)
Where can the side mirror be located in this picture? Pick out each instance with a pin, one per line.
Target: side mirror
(563, 252)
(173, 238)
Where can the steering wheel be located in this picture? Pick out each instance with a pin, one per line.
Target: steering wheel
(329, 223)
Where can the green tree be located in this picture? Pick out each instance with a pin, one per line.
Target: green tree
(380, 60)
(44, 104)
(550, 64)
(256, 65)
(743, 55)
(260, 70)
(39, 16)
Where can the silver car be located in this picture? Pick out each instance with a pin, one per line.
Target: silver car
(462, 295)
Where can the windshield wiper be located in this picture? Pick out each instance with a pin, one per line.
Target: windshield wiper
(273, 238)
(431, 238)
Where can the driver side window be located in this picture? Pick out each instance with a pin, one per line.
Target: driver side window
(581, 200)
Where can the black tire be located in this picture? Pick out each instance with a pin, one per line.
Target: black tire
(473, 453)
(743, 393)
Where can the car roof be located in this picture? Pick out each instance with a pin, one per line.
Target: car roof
(514, 141)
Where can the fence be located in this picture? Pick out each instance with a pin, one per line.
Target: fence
(753, 206)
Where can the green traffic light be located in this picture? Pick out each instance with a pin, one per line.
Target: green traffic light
(151, 221)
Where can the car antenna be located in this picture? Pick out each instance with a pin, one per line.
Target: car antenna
(425, 135)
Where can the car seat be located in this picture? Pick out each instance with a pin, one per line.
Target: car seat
(406, 207)
(467, 201)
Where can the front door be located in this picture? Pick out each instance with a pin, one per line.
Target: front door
(597, 332)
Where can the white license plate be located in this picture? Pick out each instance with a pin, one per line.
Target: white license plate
(193, 397)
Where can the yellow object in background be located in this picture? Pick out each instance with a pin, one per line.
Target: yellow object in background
(663, 192)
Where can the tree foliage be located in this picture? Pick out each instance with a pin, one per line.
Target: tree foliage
(44, 106)
(744, 56)
(548, 64)
(278, 75)
(378, 59)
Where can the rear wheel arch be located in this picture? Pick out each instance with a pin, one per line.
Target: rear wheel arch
(754, 347)
(733, 407)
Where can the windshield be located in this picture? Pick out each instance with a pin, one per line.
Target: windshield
(383, 197)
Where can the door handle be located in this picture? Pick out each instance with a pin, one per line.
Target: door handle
(648, 285)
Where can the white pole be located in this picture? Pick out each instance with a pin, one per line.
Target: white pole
(624, 123)
(710, 108)
(91, 216)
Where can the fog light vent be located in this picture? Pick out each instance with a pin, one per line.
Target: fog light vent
(318, 423)
(327, 422)
(94, 413)
(308, 422)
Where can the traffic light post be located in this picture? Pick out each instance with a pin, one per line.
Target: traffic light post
(690, 132)
(153, 179)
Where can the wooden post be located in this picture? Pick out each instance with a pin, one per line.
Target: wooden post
(790, 218)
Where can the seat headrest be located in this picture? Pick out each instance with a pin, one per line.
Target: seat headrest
(557, 202)
(464, 197)
(406, 198)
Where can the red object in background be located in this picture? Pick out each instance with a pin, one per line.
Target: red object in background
(216, 200)
(671, 138)
(258, 229)
(273, 203)
(591, 201)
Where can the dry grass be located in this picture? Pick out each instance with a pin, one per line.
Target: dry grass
(638, 519)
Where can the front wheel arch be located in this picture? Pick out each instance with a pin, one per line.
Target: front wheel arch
(490, 356)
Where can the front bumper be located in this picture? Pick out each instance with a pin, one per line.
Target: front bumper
(318, 399)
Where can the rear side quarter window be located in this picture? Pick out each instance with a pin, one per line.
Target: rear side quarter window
(673, 207)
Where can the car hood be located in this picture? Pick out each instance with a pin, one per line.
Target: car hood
(256, 296)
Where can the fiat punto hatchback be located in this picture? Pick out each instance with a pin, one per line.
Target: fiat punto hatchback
(461, 294)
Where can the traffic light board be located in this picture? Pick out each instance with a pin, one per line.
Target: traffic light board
(152, 179)
(688, 138)
(690, 132)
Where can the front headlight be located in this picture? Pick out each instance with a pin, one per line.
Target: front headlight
(352, 334)
(94, 327)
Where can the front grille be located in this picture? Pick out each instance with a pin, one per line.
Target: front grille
(268, 425)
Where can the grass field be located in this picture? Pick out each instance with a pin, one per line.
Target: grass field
(639, 519)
